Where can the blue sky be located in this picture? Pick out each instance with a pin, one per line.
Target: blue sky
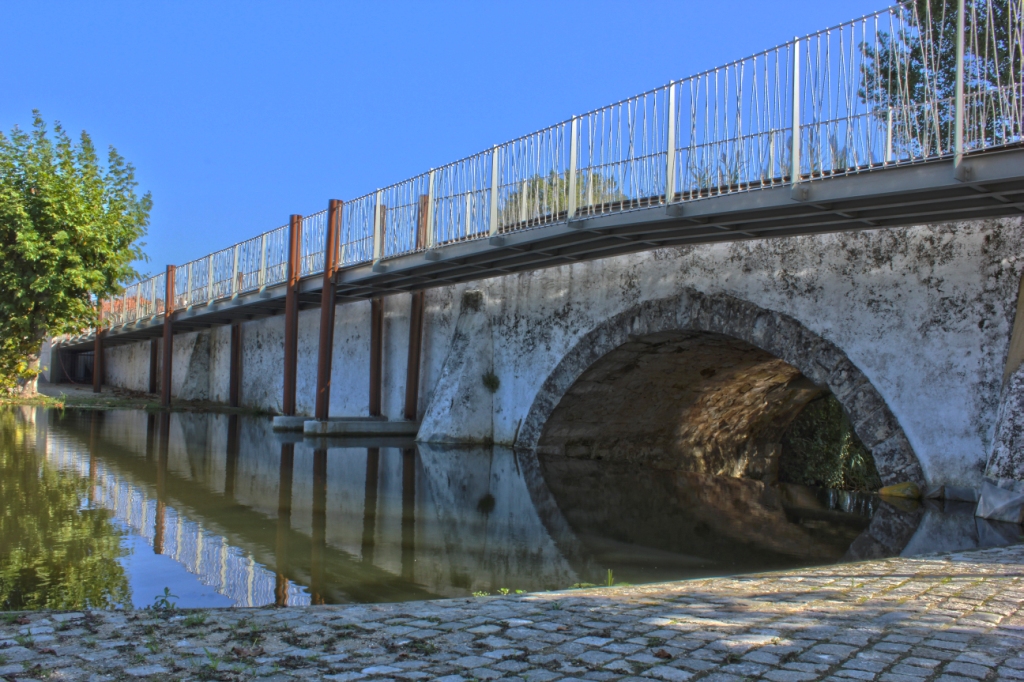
(237, 114)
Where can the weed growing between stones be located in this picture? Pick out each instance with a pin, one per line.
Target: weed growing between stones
(491, 382)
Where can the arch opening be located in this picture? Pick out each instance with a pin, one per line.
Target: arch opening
(688, 426)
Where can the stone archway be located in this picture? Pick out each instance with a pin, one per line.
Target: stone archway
(759, 336)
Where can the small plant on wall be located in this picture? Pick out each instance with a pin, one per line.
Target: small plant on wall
(491, 382)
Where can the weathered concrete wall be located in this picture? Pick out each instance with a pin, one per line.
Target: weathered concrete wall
(127, 366)
(923, 313)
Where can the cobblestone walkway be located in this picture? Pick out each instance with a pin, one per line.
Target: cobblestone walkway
(951, 618)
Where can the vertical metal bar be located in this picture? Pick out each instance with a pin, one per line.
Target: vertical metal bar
(191, 268)
(670, 160)
(469, 212)
(234, 273)
(431, 238)
(794, 172)
(958, 133)
(376, 354)
(327, 304)
(168, 345)
(574, 130)
(412, 374)
(209, 278)
(378, 233)
(263, 260)
(888, 137)
(494, 191)
(291, 315)
(522, 203)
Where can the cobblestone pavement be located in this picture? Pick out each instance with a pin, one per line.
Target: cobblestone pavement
(948, 618)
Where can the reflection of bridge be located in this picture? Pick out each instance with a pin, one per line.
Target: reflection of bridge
(245, 555)
(852, 127)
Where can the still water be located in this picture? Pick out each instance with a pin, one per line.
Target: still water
(109, 509)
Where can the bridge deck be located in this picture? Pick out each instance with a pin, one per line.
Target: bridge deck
(881, 198)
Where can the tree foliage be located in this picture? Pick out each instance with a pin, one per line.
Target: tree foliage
(917, 65)
(543, 195)
(821, 449)
(56, 552)
(69, 233)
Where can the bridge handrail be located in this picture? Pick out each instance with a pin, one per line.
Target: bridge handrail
(869, 93)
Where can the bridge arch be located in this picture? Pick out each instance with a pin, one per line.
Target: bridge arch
(768, 366)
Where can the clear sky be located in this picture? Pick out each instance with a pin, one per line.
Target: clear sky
(237, 114)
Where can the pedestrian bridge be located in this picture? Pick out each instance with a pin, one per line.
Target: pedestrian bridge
(857, 126)
(722, 243)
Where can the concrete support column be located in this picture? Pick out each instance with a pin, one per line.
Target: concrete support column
(291, 316)
(168, 349)
(235, 378)
(412, 378)
(327, 303)
(376, 354)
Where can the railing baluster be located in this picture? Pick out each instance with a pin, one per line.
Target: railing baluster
(378, 238)
(574, 130)
(495, 186)
(794, 173)
(263, 261)
(670, 150)
(431, 234)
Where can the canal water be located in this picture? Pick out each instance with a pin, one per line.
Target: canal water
(125, 508)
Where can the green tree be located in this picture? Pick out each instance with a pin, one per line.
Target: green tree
(56, 551)
(912, 72)
(821, 449)
(541, 196)
(69, 233)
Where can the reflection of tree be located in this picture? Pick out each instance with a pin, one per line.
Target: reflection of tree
(54, 552)
(917, 65)
(544, 195)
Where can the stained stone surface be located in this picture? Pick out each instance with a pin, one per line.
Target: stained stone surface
(944, 618)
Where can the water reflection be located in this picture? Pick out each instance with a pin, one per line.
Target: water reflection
(109, 508)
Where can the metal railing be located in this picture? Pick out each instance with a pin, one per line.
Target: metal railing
(891, 88)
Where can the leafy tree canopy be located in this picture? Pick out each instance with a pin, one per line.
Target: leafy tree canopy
(69, 233)
(917, 64)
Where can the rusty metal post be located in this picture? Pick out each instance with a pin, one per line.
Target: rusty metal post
(318, 535)
(161, 483)
(370, 503)
(231, 463)
(412, 375)
(235, 378)
(153, 364)
(327, 302)
(284, 524)
(376, 354)
(97, 362)
(291, 316)
(409, 513)
(422, 225)
(168, 349)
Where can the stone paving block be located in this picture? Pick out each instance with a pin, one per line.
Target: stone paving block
(666, 673)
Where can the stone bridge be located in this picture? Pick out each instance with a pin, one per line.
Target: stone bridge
(694, 358)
